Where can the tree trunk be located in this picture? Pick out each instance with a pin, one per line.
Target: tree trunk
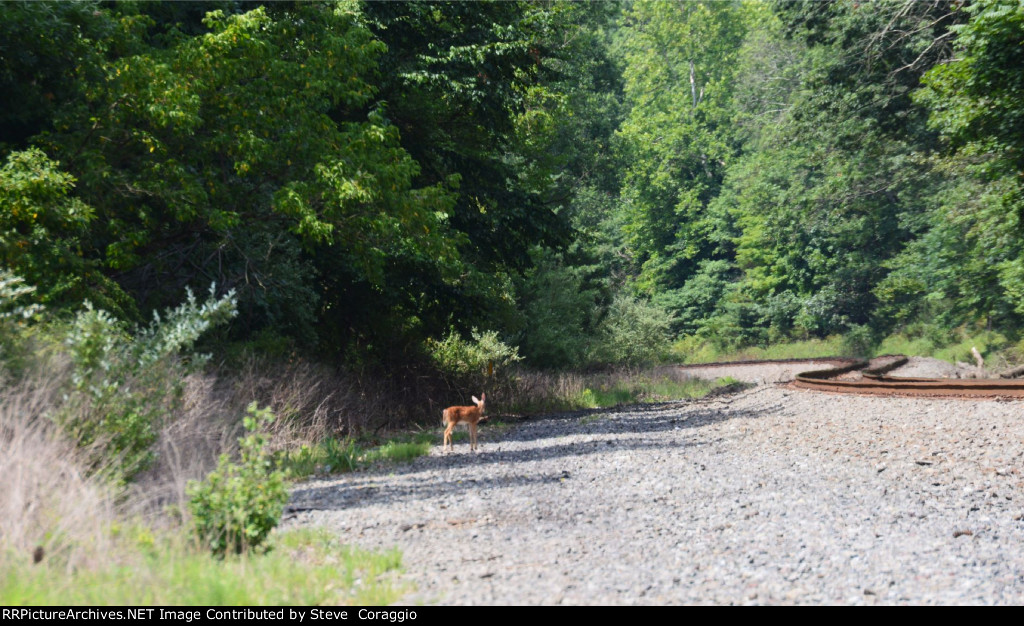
(693, 84)
(979, 361)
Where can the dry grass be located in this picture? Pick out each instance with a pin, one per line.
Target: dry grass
(539, 392)
(101, 544)
(47, 506)
(312, 403)
(207, 424)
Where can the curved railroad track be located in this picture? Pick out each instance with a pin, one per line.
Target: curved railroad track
(858, 376)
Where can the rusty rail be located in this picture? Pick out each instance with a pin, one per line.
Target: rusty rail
(874, 381)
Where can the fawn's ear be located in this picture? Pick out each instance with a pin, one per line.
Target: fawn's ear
(475, 401)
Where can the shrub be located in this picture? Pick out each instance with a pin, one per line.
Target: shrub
(122, 385)
(14, 313)
(238, 504)
(472, 364)
(634, 332)
(557, 310)
(859, 341)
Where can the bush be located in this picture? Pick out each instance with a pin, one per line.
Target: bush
(557, 311)
(237, 505)
(859, 341)
(473, 364)
(122, 385)
(696, 302)
(634, 332)
(14, 314)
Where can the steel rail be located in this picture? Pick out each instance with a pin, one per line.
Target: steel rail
(875, 381)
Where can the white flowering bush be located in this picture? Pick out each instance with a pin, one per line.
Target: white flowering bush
(15, 312)
(124, 382)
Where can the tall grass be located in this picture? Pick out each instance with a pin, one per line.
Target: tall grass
(999, 350)
(952, 347)
(48, 507)
(333, 455)
(544, 392)
(66, 537)
(694, 350)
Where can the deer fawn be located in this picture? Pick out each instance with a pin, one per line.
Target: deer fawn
(471, 415)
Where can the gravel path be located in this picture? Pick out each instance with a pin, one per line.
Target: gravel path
(772, 495)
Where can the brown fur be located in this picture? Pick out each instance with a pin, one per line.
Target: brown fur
(470, 415)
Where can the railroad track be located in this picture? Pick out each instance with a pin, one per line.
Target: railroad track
(858, 376)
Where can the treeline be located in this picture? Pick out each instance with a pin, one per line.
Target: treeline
(800, 169)
(587, 180)
(366, 177)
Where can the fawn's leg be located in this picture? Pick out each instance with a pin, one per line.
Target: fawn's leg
(448, 436)
(472, 436)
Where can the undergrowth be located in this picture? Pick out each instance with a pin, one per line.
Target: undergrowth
(334, 455)
(998, 349)
(569, 391)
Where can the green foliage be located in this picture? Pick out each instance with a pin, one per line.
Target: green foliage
(369, 175)
(460, 78)
(253, 152)
(558, 312)
(15, 313)
(679, 63)
(974, 102)
(695, 303)
(334, 456)
(859, 341)
(122, 381)
(237, 505)
(48, 47)
(645, 387)
(399, 451)
(476, 363)
(694, 349)
(122, 384)
(327, 456)
(309, 568)
(938, 341)
(42, 231)
(12, 289)
(975, 97)
(633, 332)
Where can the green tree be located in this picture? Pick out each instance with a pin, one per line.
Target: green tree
(253, 154)
(42, 230)
(47, 50)
(834, 180)
(975, 102)
(679, 62)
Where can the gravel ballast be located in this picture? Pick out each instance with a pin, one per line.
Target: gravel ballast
(771, 495)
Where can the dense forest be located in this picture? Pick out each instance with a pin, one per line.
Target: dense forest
(585, 181)
(389, 207)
